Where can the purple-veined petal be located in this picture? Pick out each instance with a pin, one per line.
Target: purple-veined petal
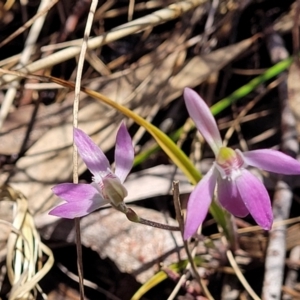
(71, 192)
(76, 209)
(229, 197)
(124, 153)
(90, 153)
(256, 199)
(272, 161)
(199, 202)
(204, 120)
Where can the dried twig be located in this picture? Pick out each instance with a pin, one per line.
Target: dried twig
(240, 275)
(28, 49)
(161, 16)
(20, 30)
(191, 265)
(75, 124)
(275, 259)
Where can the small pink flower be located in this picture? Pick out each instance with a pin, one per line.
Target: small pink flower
(107, 187)
(238, 190)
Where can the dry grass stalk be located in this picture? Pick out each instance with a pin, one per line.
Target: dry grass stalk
(25, 251)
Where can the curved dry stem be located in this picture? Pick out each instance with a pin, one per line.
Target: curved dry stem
(240, 275)
(83, 49)
(191, 265)
(25, 251)
(24, 58)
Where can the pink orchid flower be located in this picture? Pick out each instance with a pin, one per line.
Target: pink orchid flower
(107, 187)
(238, 190)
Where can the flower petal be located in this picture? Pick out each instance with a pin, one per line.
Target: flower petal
(229, 197)
(73, 210)
(90, 153)
(71, 192)
(199, 202)
(204, 120)
(81, 199)
(124, 153)
(272, 161)
(256, 199)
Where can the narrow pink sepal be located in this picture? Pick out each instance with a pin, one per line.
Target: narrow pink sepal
(256, 199)
(272, 161)
(204, 120)
(81, 200)
(90, 153)
(199, 202)
(74, 209)
(124, 153)
(230, 198)
(71, 192)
